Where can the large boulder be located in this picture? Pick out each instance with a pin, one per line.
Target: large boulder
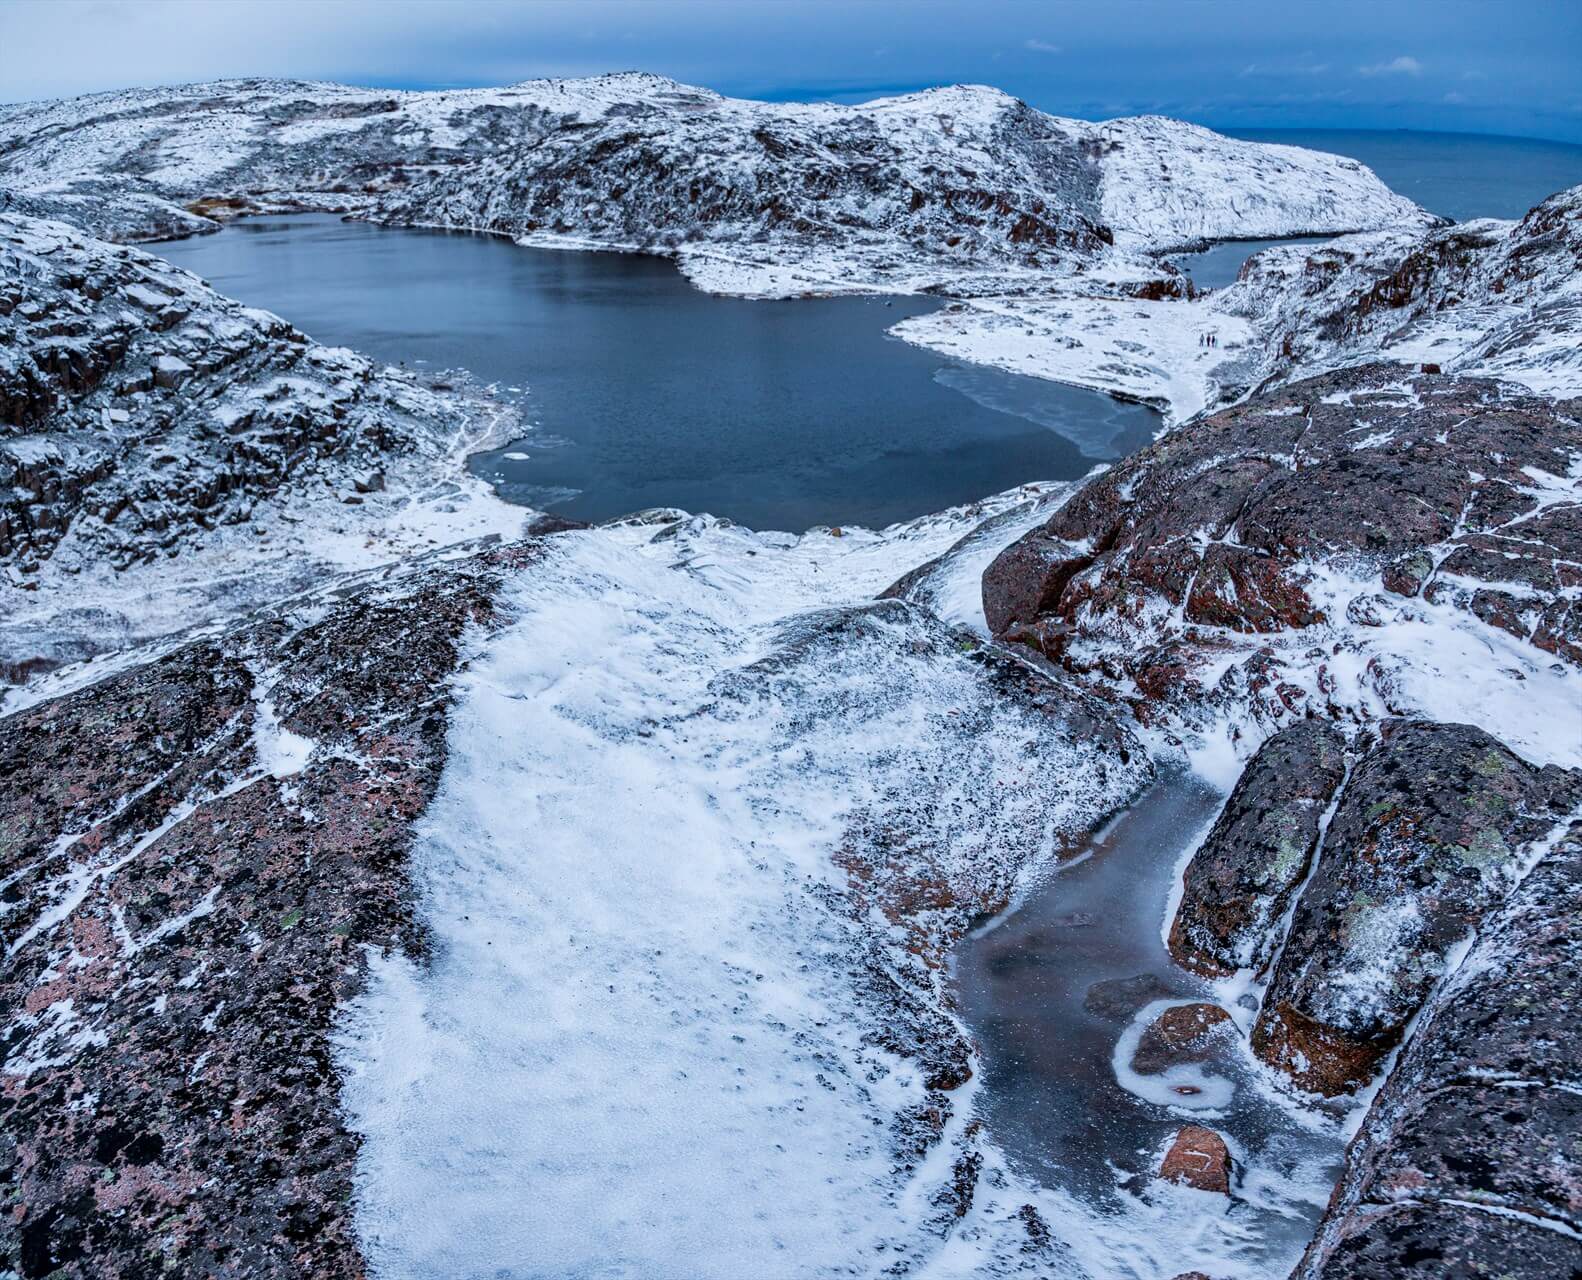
(1469, 1162)
(1434, 827)
(1243, 877)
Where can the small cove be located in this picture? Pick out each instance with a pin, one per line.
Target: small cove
(642, 391)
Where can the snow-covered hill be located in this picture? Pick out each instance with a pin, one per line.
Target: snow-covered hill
(1486, 298)
(168, 455)
(904, 191)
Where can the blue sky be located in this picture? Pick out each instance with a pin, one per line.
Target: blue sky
(1494, 66)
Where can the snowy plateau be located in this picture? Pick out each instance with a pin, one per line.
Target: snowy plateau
(397, 882)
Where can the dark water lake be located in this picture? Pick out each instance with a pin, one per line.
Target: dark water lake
(644, 392)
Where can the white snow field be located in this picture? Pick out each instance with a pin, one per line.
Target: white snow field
(645, 1044)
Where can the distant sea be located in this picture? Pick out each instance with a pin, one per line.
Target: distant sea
(1458, 175)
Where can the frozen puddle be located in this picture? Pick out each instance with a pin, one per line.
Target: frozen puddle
(1058, 994)
(640, 1047)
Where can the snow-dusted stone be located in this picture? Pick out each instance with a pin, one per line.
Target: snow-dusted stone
(1216, 568)
(1243, 877)
(1198, 1158)
(1183, 1033)
(198, 853)
(1469, 1159)
(1485, 298)
(1435, 826)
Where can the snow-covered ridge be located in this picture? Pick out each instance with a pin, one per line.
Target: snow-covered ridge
(906, 188)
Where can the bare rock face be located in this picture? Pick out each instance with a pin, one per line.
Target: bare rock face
(1202, 554)
(1198, 1158)
(1469, 1161)
(1432, 831)
(1242, 879)
(1182, 1034)
(196, 853)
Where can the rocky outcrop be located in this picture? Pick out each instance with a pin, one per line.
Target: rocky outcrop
(1435, 825)
(155, 436)
(138, 407)
(1484, 298)
(1244, 876)
(1224, 565)
(1467, 1163)
(196, 855)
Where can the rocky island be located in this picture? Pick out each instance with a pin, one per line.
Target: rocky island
(377, 856)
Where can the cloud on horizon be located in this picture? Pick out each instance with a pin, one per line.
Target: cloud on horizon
(1402, 66)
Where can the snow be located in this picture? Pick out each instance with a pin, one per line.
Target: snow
(639, 1047)
(1137, 349)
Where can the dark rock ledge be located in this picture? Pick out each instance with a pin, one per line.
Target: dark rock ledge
(181, 926)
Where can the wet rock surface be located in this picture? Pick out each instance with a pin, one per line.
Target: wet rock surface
(1432, 830)
(1467, 1163)
(196, 853)
(1222, 566)
(1244, 876)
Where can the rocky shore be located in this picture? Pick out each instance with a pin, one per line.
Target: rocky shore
(368, 826)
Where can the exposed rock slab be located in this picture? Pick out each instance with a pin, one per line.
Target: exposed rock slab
(195, 853)
(1470, 1158)
(1245, 875)
(1324, 548)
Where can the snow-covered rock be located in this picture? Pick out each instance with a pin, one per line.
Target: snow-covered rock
(1487, 299)
(168, 455)
(907, 192)
(1357, 545)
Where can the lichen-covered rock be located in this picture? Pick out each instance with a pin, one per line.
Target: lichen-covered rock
(1469, 1162)
(1238, 565)
(1243, 877)
(196, 853)
(1433, 829)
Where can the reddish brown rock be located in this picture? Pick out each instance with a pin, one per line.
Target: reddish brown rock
(1182, 1034)
(1156, 572)
(1198, 1158)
